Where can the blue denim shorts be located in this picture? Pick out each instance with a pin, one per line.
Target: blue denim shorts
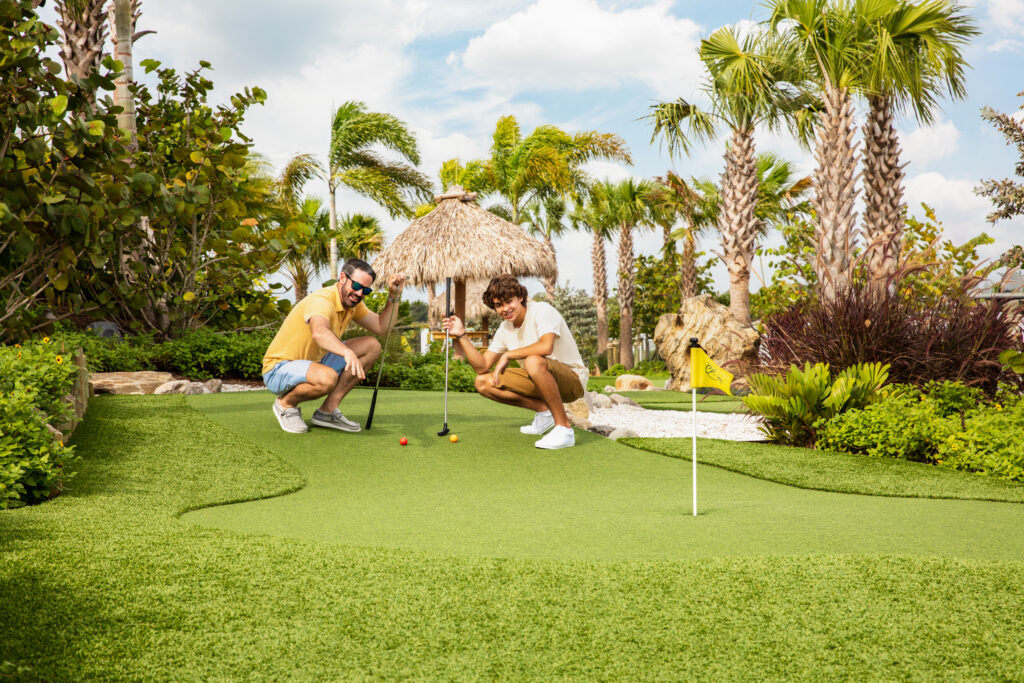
(289, 374)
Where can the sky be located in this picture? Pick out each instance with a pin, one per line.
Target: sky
(450, 69)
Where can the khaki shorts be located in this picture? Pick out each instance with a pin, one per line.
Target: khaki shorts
(518, 380)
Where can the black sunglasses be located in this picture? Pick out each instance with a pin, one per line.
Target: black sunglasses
(359, 287)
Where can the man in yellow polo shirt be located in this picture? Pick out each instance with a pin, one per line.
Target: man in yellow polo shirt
(307, 359)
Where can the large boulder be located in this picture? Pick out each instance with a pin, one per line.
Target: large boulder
(128, 382)
(725, 339)
(632, 383)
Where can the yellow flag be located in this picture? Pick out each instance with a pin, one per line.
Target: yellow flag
(704, 372)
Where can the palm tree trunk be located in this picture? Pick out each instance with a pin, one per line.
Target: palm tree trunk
(551, 282)
(737, 221)
(83, 36)
(627, 286)
(835, 192)
(688, 269)
(883, 194)
(597, 257)
(123, 53)
(332, 250)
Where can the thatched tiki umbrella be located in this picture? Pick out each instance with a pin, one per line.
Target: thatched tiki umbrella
(475, 308)
(460, 240)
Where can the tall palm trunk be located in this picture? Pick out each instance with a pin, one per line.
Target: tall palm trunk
(883, 194)
(123, 28)
(627, 287)
(597, 256)
(736, 221)
(332, 249)
(551, 282)
(688, 269)
(835, 192)
(83, 36)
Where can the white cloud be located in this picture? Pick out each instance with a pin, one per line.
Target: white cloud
(961, 211)
(575, 44)
(928, 143)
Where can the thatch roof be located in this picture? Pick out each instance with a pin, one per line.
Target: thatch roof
(460, 240)
(475, 308)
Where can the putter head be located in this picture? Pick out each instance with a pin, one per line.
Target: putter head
(443, 431)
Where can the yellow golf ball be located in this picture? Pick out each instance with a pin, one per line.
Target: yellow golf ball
(453, 438)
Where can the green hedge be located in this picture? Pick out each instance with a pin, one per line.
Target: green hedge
(34, 378)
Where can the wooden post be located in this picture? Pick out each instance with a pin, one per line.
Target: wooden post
(460, 310)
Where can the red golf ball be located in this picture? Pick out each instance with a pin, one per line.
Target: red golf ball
(403, 441)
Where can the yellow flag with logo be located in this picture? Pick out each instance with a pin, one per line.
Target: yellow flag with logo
(704, 372)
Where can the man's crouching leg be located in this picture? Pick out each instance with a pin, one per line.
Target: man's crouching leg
(367, 349)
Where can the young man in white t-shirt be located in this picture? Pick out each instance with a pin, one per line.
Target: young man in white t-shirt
(551, 370)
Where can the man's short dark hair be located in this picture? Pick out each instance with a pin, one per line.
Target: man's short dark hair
(503, 288)
(354, 264)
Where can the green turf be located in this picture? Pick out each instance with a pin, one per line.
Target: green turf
(678, 400)
(494, 494)
(107, 583)
(602, 381)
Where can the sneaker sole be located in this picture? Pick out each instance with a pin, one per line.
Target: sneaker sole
(334, 425)
(555, 448)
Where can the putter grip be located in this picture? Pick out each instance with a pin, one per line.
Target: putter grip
(373, 404)
(448, 297)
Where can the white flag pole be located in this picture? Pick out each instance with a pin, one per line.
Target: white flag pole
(694, 411)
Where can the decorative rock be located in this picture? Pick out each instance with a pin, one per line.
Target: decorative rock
(588, 398)
(214, 385)
(602, 401)
(577, 410)
(175, 386)
(622, 433)
(632, 383)
(620, 400)
(580, 423)
(603, 430)
(725, 339)
(196, 388)
(609, 390)
(128, 382)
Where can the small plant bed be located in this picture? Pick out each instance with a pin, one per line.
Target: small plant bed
(840, 472)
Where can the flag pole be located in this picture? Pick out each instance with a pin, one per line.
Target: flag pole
(693, 409)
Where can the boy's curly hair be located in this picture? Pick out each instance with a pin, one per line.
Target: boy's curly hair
(503, 288)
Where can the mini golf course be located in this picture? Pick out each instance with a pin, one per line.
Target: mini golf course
(200, 542)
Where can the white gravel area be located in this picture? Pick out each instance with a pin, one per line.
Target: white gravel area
(661, 423)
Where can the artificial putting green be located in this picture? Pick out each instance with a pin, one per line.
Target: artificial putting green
(107, 583)
(493, 494)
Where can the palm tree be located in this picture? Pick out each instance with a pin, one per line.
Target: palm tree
(590, 212)
(360, 236)
(471, 176)
(673, 198)
(756, 82)
(833, 43)
(353, 162)
(781, 198)
(546, 162)
(628, 209)
(916, 48)
(302, 267)
(544, 218)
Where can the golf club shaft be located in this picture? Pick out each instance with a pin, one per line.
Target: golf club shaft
(380, 369)
(447, 345)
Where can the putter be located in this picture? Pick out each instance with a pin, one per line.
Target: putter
(447, 314)
(380, 369)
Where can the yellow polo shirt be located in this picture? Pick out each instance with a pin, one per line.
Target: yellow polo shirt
(294, 341)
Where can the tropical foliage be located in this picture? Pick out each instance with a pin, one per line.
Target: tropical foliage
(1006, 194)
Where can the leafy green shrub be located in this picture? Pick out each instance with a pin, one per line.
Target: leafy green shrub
(616, 370)
(108, 354)
(900, 425)
(34, 378)
(790, 408)
(204, 354)
(426, 373)
(989, 443)
(953, 398)
(652, 366)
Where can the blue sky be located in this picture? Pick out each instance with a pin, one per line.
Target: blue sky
(451, 69)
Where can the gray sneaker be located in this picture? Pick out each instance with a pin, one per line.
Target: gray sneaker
(290, 419)
(334, 420)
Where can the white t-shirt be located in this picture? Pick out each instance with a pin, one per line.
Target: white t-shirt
(541, 318)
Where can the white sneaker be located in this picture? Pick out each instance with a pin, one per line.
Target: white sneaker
(290, 419)
(542, 422)
(560, 437)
